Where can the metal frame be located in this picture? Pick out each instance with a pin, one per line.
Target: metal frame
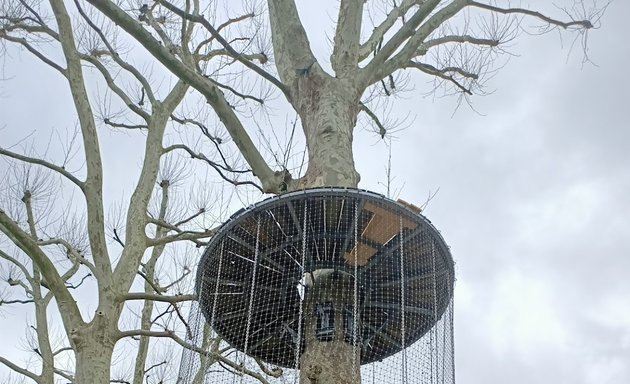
(377, 341)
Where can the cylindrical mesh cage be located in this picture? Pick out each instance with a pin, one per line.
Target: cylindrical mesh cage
(342, 277)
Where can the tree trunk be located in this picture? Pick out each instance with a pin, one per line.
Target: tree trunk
(93, 362)
(93, 344)
(335, 360)
(328, 110)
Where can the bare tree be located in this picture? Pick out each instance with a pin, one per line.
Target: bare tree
(377, 48)
(59, 245)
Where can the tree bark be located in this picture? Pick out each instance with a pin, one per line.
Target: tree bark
(328, 109)
(334, 361)
(93, 355)
(93, 365)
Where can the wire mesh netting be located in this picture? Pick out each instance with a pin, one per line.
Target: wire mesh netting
(323, 282)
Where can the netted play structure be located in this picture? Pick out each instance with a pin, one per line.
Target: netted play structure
(344, 269)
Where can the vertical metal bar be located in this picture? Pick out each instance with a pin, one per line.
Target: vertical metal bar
(251, 295)
(216, 285)
(205, 366)
(402, 303)
(355, 305)
(434, 369)
(298, 346)
(444, 331)
(452, 330)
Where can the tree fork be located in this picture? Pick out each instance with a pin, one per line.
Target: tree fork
(94, 345)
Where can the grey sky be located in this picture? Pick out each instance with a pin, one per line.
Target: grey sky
(534, 200)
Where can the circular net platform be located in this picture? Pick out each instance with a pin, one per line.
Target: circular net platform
(330, 266)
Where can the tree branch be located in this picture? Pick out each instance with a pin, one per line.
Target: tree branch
(136, 240)
(292, 51)
(156, 297)
(33, 160)
(63, 349)
(379, 32)
(217, 167)
(382, 65)
(395, 42)
(381, 128)
(181, 236)
(111, 83)
(149, 266)
(444, 74)
(75, 286)
(123, 64)
(178, 280)
(63, 374)
(34, 51)
(237, 93)
(274, 372)
(215, 33)
(581, 24)
(272, 181)
(345, 54)
(72, 253)
(67, 305)
(261, 57)
(171, 335)
(15, 301)
(93, 189)
(151, 283)
(457, 39)
(18, 369)
(124, 126)
(217, 141)
(21, 267)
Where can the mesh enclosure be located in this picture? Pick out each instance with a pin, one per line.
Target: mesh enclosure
(323, 282)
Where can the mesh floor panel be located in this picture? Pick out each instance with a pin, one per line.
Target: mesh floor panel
(311, 269)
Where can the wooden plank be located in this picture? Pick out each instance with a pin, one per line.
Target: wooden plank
(384, 225)
(413, 207)
(381, 228)
(363, 251)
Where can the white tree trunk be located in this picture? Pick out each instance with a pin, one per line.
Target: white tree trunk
(93, 343)
(336, 361)
(328, 109)
(93, 365)
(93, 359)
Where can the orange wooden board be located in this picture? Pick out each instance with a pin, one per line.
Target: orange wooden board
(383, 225)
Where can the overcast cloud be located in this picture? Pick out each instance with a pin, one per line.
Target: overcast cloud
(535, 202)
